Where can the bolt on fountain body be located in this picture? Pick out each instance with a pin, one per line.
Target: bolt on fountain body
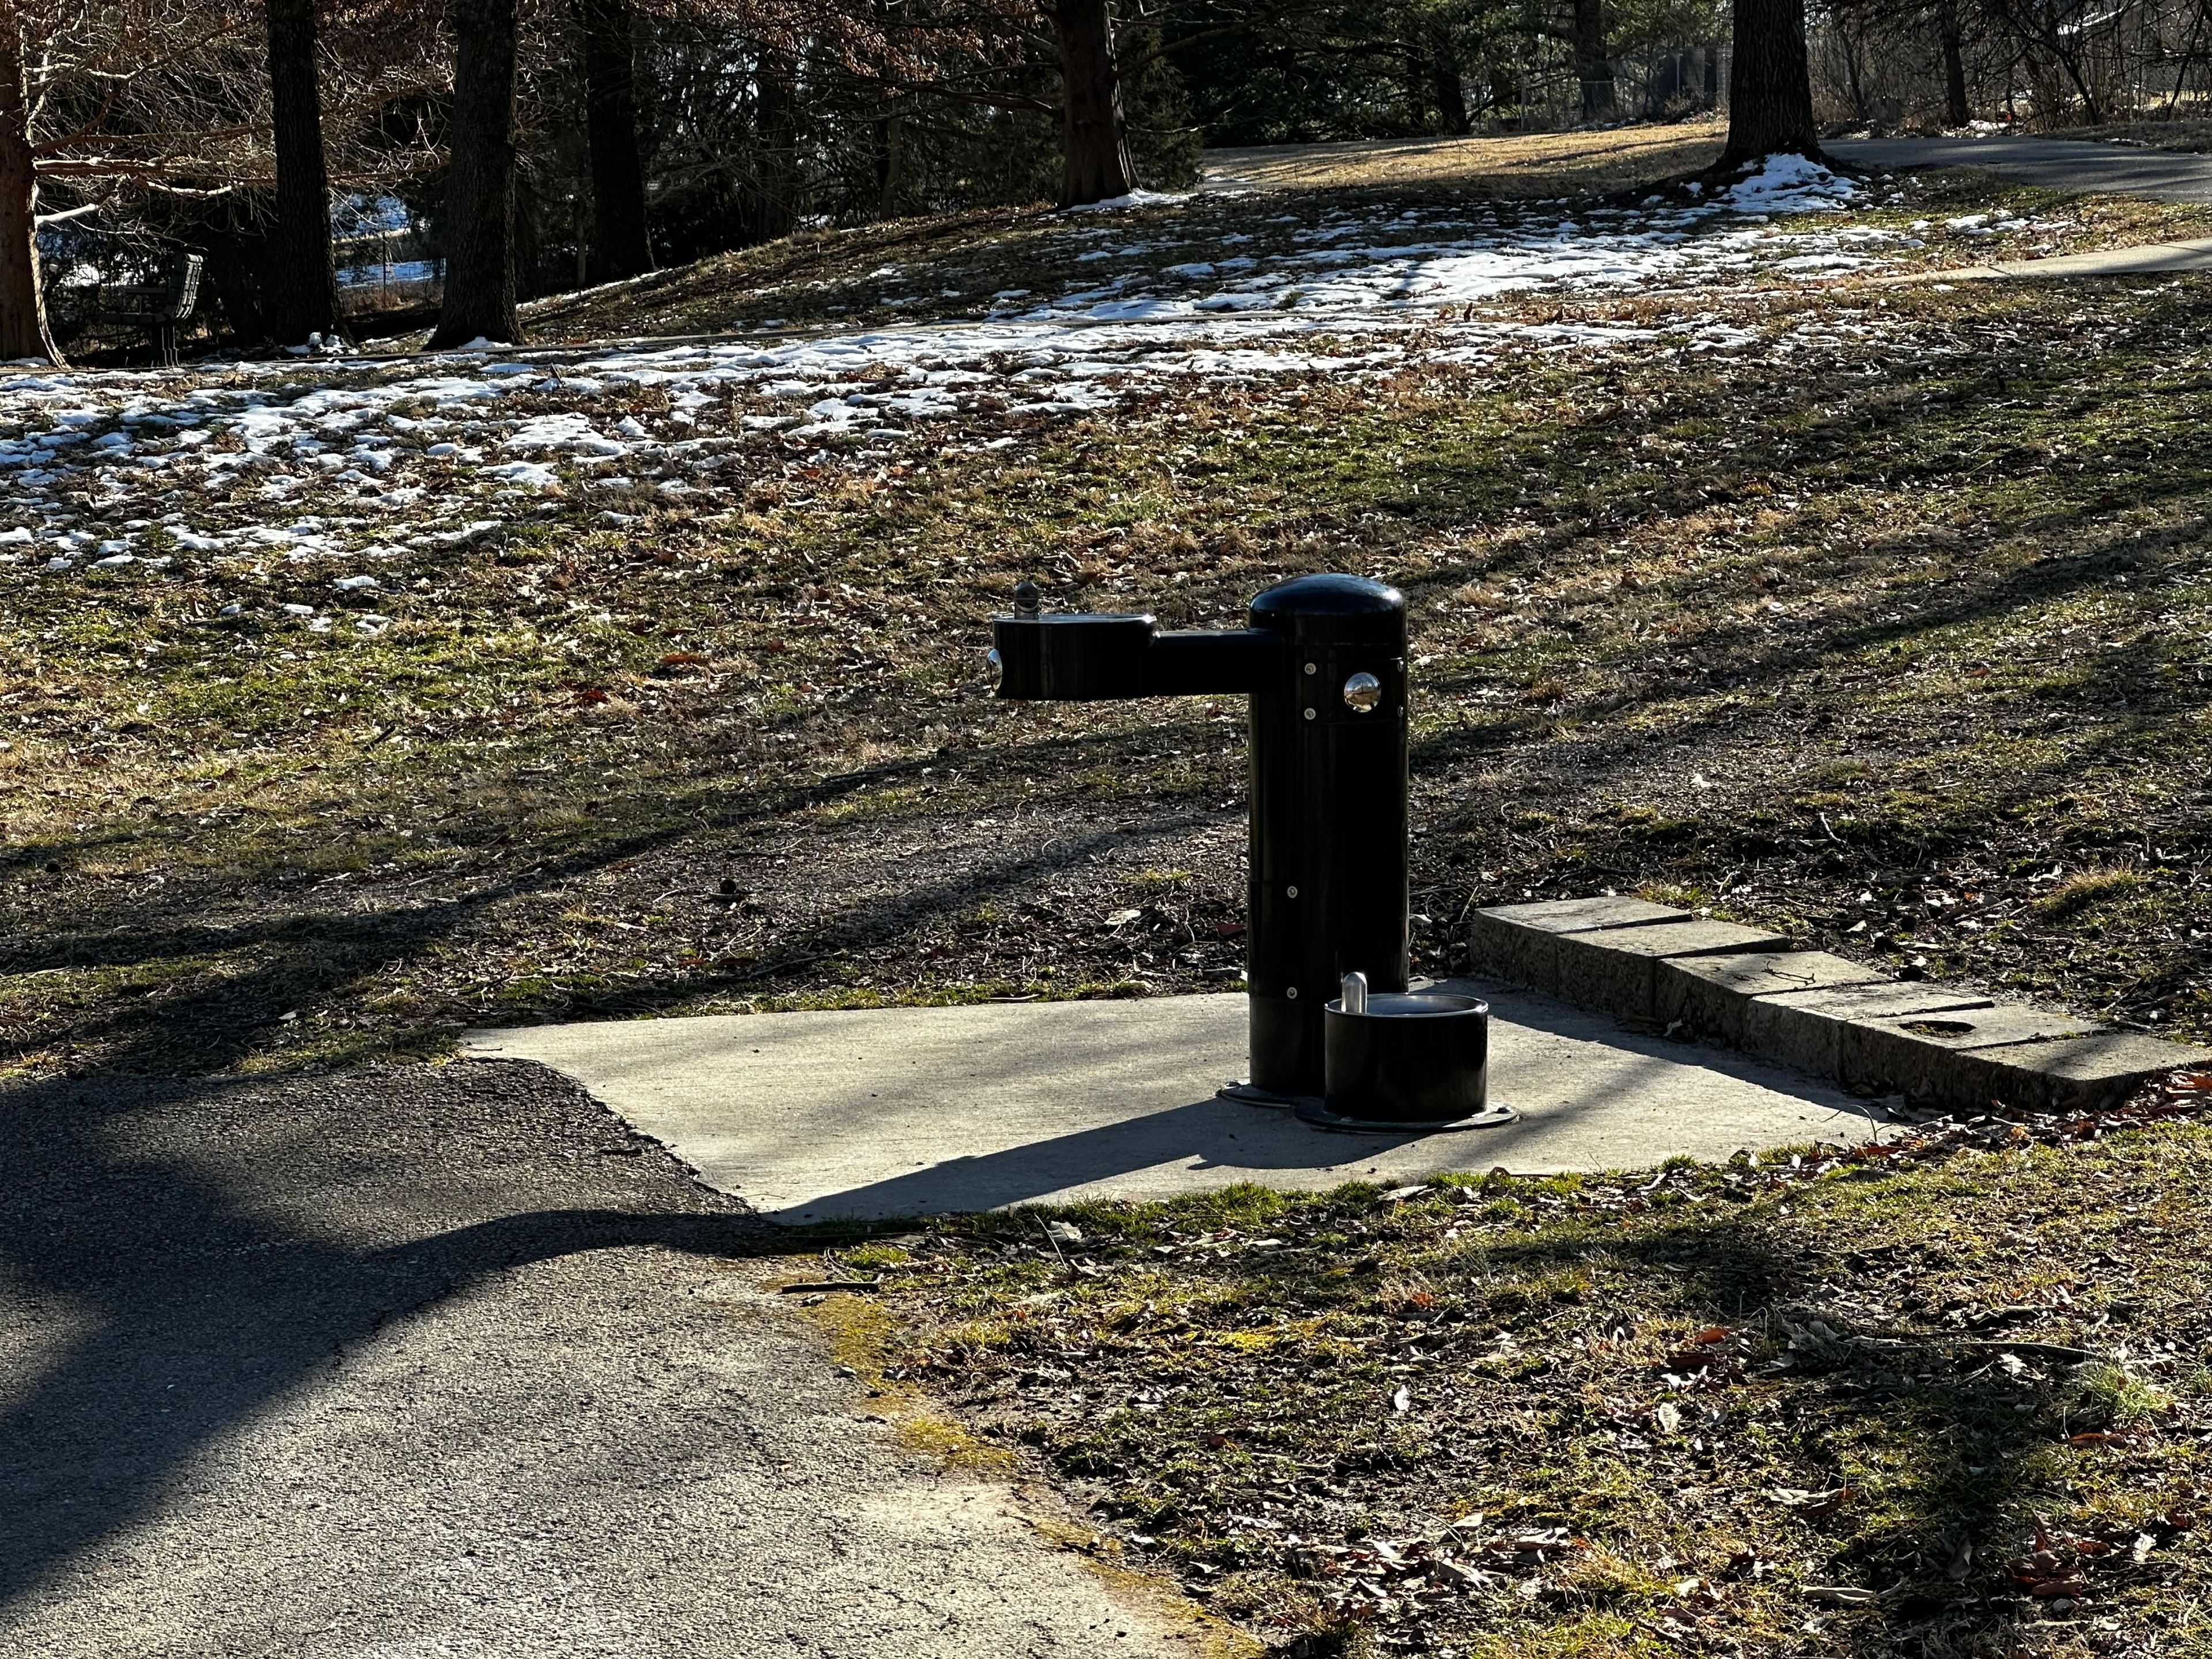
(1323, 663)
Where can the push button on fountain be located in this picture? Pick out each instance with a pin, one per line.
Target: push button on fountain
(1362, 692)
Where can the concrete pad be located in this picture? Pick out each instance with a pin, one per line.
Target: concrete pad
(1805, 1029)
(879, 1113)
(1709, 994)
(1617, 970)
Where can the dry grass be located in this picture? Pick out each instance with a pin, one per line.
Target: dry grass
(1880, 630)
(1903, 1405)
(1517, 164)
(1881, 645)
(2185, 135)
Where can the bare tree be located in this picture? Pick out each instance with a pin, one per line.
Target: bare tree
(101, 101)
(1956, 111)
(480, 294)
(1771, 84)
(303, 296)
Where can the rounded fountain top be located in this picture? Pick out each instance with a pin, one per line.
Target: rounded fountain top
(1329, 595)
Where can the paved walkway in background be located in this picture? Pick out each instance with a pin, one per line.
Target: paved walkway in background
(915, 1111)
(2059, 163)
(2146, 259)
(443, 1361)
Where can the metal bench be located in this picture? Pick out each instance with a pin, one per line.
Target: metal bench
(162, 308)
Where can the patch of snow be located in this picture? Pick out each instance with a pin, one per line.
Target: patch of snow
(1135, 199)
(1788, 184)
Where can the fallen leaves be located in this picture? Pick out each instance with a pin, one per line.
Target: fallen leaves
(1257, 1388)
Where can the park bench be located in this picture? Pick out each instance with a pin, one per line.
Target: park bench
(161, 307)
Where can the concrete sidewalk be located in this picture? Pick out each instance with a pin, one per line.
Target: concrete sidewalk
(2058, 163)
(443, 1361)
(875, 1113)
(2145, 259)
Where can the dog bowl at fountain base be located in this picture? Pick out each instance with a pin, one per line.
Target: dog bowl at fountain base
(1412, 1061)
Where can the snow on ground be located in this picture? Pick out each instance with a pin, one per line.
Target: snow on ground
(1354, 264)
(425, 451)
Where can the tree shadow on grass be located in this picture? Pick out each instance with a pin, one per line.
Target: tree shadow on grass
(1916, 1462)
(293, 960)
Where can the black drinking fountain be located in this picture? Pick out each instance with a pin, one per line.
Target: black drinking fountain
(1323, 662)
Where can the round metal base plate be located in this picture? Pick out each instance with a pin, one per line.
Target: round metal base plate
(1317, 1114)
(1249, 1095)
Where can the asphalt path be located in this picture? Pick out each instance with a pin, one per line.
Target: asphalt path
(2059, 163)
(446, 1361)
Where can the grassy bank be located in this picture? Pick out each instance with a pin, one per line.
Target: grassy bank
(1948, 1399)
(1889, 624)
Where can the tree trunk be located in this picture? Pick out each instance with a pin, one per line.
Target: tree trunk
(622, 243)
(1592, 67)
(303, 293)
(1094, 152)
(1445, 80)
(23, 330)
(890, 137)
(1505, 90)
(1854, 69)
(1770, 86)
(778, 127)
(1956, 111)
(1712, 98)
(480, 179)
(1416, 74)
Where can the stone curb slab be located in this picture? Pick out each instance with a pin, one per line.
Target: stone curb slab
(1711, 994)
(1836, 1019)
(1520, 941)
(1617, 968)
(2076, 1074)
(1806, 1029)
(1918, 1055)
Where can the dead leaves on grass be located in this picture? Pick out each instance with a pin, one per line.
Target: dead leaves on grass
(1293, 1404)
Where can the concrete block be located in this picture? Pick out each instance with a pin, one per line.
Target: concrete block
(1919, 1055)
(1617, 969)
(1710, 994)
(1831, 1017)
(1583, 915)
(2072, 1074)
(1806, 1028)
(1516, 941)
